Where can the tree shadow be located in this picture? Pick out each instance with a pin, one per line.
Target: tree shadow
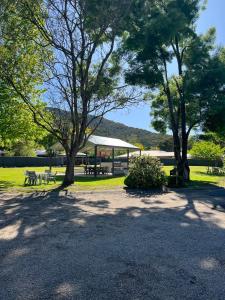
(56, 245)
(144, 193)
(5, 184)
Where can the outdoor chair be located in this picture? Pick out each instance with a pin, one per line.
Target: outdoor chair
(50, 177)
(216, 171)
(30, 178)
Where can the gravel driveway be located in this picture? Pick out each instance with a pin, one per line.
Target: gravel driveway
(113, 245)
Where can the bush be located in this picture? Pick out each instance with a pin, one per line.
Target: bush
(146, 173)
(23, 148)
(207, 150)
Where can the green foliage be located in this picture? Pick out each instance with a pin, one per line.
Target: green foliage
(130, 134)
(16, 120)
(48, 141)
(164, 33)
(21, 66)
(204, 90)
(210, 136)
(207, 150)
(140, 146)
(24, 148)
(166, 145)
(146, 173)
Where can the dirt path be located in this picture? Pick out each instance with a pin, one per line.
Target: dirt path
(113, 245)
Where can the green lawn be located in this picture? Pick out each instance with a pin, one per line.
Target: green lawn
(13, 179)
(199, 177)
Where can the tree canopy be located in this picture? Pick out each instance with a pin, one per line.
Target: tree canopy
(207, 150)
(163, 38)
(68, 50)
(16, 120)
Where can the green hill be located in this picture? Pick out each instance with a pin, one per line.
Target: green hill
(134, 135)
(130, 134)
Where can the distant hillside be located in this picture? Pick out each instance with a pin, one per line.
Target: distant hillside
(130, 134)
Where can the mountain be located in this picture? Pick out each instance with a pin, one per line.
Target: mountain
(133, 135)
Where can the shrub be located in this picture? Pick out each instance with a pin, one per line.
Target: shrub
(146, 173)
(207, 150)
(24, 148)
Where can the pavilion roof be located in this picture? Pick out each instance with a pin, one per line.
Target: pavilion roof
(110, 142)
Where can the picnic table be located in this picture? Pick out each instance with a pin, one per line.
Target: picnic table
(42, 177)
(34, 178)
(91, 170)
(215, 171)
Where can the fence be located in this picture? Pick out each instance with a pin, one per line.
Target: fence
(16, 161)
(194, 162)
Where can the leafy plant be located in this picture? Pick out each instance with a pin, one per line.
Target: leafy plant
(146, 173)
(207, 150)
(24, 148)
(192, 96)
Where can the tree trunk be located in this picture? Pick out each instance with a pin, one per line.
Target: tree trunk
(185, 164)
(183, 171)
(69, 175)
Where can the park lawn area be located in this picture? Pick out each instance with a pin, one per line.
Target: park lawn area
(13, 179)
(199, 177)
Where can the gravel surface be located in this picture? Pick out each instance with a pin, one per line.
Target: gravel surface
(113, 245)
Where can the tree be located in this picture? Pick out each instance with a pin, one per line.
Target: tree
(210, 137)
(214, 119)
(140, 146)
(164, 34)
(24, 149)
(16, 122)
(48, 141)
(207, 150)
(167, 144)
(77, 40)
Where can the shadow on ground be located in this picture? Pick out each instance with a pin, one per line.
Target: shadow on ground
(5, 184)
(56, 245)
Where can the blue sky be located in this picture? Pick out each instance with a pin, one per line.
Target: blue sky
(213, 16)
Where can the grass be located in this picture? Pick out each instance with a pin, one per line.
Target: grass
(199, 177)
(13, 179)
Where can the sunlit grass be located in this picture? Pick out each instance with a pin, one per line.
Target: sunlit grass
(13, 179)
(199, 177)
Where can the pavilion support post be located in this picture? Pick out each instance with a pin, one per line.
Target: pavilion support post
(128, 157)
(96, 152)
(113, 160)
(140, 152)
(100, 158)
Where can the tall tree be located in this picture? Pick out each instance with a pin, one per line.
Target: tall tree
(164, 35)
(16, 121)
(21, 60)
(81, 71)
